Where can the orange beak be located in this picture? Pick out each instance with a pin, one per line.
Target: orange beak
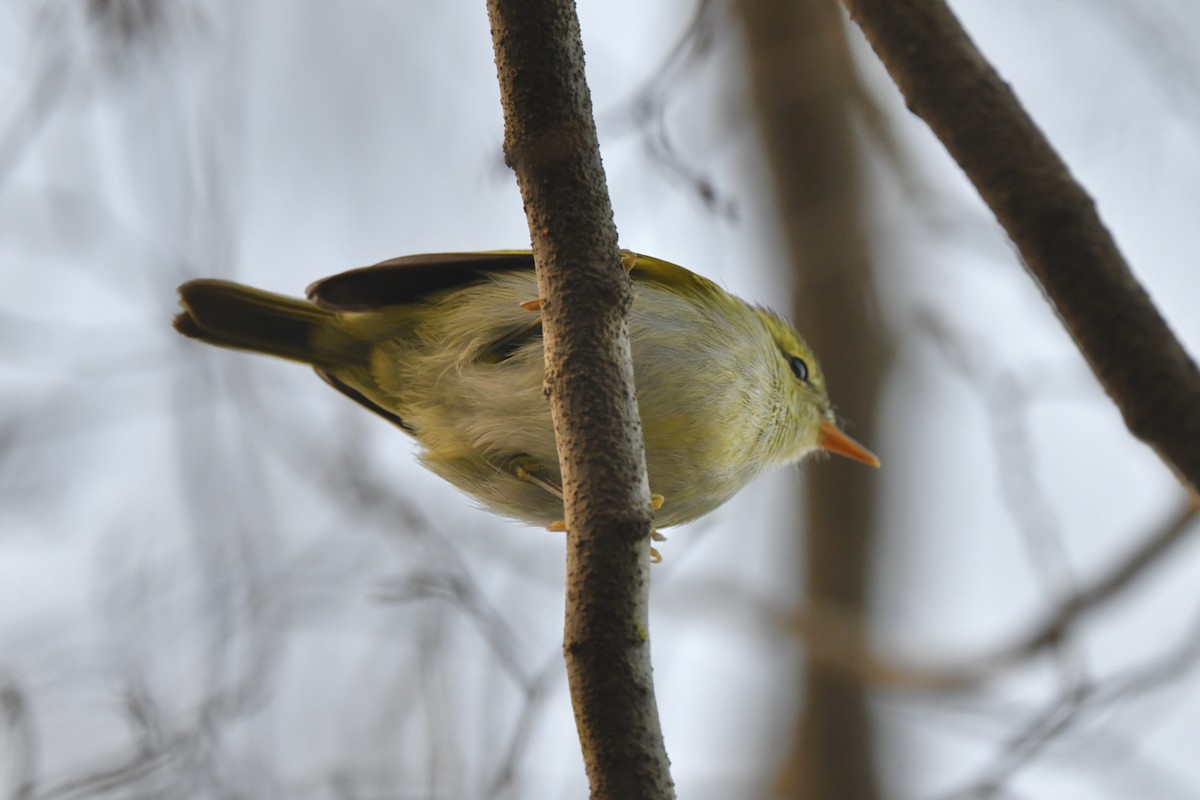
(831, 439)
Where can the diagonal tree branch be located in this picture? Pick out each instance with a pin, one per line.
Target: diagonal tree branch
(1052, 220)
(550, 142)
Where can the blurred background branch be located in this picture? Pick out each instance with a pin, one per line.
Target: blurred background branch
(807, 93)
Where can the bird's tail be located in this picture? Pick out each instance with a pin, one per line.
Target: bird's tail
(228, 314)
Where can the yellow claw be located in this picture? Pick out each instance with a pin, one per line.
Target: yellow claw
(532, 305)
(655, 556)
(656, 501)
(557, 525)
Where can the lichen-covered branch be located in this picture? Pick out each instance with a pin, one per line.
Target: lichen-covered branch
(550, 142)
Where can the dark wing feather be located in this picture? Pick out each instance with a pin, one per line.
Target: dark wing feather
(363, 400)
(410, 278)
(407, 280)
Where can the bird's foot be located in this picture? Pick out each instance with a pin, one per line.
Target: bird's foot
(529, 469)
(655, 536)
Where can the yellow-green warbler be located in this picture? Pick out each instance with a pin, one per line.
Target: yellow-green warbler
(449, 348)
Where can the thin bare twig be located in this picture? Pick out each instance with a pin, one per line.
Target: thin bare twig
(838, 638)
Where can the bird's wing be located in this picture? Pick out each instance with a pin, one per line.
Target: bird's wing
(409, 278)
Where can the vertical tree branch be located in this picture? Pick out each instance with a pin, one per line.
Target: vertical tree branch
(1052, 220)
(550, 142)
(805, 85)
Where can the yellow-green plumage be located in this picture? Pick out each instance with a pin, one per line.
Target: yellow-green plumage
(441, 346)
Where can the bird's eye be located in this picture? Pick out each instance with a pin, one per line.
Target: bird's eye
(799, 367)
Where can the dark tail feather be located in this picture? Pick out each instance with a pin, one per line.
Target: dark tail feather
(231, 315)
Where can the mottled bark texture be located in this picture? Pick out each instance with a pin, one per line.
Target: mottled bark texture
(947, 82)
(550, 142)
(806, 89)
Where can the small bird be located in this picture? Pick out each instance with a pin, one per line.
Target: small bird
(448, 347)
